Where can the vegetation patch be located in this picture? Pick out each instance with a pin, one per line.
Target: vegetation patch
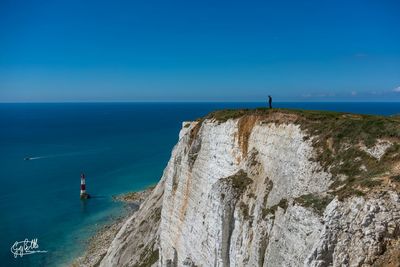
(156, 214)
(348, 191)
(395, 178)
(148, 257)
(268, 187)
(239, 181)
(252, 160)
(251, 195)
(245, 210)
(369, 182)
(355, 186)
(227, 114)
(316, 202)
(283, 203)
(345, 133)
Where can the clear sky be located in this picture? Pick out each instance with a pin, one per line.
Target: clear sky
(309, 50)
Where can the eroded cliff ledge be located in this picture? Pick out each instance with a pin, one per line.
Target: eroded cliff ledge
(272, 188)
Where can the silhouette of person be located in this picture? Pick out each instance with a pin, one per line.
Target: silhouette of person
(270, 101)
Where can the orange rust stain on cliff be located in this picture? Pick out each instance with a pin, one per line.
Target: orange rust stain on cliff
(245, 126)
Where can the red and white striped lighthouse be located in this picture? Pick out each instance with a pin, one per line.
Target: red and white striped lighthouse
(84, 195)
(83, 184)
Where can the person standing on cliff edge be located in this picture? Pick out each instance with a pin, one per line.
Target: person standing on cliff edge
(270, 101)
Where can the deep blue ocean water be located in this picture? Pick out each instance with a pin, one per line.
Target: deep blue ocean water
(121, 147)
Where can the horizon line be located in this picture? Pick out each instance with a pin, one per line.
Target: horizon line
(188, 102)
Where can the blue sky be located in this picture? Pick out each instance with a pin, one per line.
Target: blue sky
(317, 50)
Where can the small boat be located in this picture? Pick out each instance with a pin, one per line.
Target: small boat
(27, 158)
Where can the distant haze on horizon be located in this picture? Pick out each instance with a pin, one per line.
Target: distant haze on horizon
(201, 51)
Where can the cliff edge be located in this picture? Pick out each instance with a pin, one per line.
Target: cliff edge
(272, 188)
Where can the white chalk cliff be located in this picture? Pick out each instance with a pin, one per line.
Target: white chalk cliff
(262, 189)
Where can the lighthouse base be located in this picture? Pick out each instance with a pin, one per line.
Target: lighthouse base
(85, 196)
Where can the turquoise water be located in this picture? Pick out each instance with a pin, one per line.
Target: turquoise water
(120, 147)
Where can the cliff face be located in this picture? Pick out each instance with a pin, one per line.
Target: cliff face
(272, 188)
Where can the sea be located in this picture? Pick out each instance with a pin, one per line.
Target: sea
(121, 147)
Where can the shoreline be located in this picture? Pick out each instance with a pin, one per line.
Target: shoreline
(97, 245)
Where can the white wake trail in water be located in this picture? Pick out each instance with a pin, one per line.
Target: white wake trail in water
(66, 154)
(42, 157)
